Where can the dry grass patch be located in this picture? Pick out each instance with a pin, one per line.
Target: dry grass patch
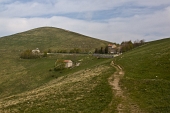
(65, 90)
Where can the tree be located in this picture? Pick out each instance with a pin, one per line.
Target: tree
(59, 65)
(96, 51)
(138, 43)
(130, 45)
(106, 49)
(142, 42)
(49, 51)
(126, 46)
(45, 54)
(102, 51)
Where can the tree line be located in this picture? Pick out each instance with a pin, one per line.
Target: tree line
(102, 50)
(123, 47)
(74, 50)
(28, 54)
(128, 45)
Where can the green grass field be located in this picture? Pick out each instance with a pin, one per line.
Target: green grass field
(147, 75)
(18, 73)
(31, 85)
(34, 88)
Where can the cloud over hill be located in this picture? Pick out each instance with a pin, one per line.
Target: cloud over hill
(108, 20)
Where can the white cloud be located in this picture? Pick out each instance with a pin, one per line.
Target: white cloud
(153, 2)
(148, 26)
(20, 9)
(49, 7)
(5, 1)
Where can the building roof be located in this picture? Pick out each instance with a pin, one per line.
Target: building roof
(112, 45)
(66, 61)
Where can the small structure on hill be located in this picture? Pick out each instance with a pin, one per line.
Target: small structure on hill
(112, 48)
(62, 64)
(36, 51)
(68, 63)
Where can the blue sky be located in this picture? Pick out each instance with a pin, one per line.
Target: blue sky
(111, 20)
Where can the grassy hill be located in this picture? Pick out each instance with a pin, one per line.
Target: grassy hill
(147, 75)
(31, 85)
(46, 38)
(16, 73)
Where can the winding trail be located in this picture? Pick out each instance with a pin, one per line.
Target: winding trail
(124, 103)
(114, 82)
(115, 78)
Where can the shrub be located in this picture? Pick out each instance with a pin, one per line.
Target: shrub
(29, 55)
(45, 54)
(59, 65)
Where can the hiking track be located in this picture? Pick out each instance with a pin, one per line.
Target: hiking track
(124, 103)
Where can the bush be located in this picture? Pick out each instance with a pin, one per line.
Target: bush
(45, 54)
(29, 55)
(59, 65)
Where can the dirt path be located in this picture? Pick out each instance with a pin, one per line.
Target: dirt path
(125, 104)
(115, 78)
(114, 82)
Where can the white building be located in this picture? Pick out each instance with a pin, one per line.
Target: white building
(68, 63)
(36, 51)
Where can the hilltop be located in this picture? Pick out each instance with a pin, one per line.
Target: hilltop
(46, 38)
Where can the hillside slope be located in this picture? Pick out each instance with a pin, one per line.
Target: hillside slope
(147, 75)
(16, 73)
(46, 38)
(76, 90)
(32, 85)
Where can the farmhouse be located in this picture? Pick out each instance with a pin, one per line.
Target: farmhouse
(68, 63)
(112, 48)
(36, 51)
